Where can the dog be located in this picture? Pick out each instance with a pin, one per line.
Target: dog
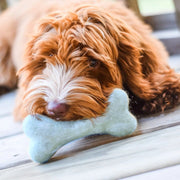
(70, 55)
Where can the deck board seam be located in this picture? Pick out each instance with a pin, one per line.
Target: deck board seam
(10, 135)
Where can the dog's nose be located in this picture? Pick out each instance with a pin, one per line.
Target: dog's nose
(57, 109)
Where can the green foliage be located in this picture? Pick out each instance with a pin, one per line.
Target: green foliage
(155, 6)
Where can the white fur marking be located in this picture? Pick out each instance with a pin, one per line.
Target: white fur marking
(55, 83)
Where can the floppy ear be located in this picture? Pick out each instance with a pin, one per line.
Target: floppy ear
(129, 62)
(127, 48)
(130, 51)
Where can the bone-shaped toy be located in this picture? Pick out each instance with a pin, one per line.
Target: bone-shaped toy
(47, 136)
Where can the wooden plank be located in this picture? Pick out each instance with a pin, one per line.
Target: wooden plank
(111, 161)
(165, 173)
(161, 21)
(174, 62)
(13, 151)
(172, 44)
(146, 125)
(171, 39)
(7, 102)
(9, 127)
(159, 121)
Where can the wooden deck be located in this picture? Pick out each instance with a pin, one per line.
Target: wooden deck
(154, 145)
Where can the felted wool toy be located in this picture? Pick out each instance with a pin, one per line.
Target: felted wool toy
(47, 136)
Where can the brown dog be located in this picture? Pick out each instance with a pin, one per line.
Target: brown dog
(77, 54)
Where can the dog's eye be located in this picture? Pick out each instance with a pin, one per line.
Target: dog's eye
(51, 52)
(93, 63)
(50, 55)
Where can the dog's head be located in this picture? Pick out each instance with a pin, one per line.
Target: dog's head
(73, 63)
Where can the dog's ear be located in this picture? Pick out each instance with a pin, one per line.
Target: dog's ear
(126, 45)
(129, 59)
(130, 51)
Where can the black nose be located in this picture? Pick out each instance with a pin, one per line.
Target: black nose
(56, 108)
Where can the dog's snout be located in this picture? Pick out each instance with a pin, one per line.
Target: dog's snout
(57, 109)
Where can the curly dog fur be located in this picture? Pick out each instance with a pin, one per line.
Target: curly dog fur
(76, 52)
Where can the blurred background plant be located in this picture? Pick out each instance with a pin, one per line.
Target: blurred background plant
(148, 7)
